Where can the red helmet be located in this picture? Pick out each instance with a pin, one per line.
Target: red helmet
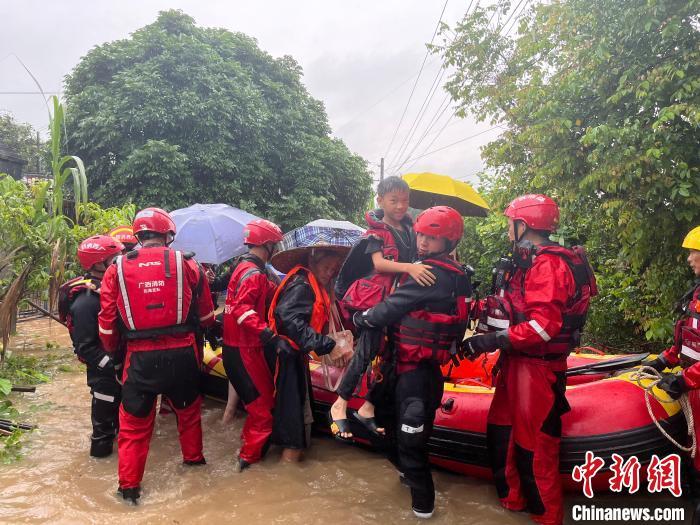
(539, 212)
(154, 220)
(440, 221)
(260, 231)
(97, 249)
(124, 234)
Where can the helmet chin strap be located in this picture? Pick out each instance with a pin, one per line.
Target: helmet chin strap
(518, 236)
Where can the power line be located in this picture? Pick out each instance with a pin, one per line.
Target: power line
(515, 19)
(436, 118)
(31, 92)
(413, 89)
(419, 117)
(453, 144)
(384, 97)
(500, 29)
(421, 113)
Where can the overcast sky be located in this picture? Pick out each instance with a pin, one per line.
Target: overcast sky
(360, 58)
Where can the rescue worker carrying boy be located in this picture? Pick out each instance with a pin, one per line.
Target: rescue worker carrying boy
(155, 298)
(426, 325)
(538, 314)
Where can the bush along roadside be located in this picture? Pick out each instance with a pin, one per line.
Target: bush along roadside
(17, 375)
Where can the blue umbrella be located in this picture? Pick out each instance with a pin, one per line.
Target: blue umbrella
(214, 232)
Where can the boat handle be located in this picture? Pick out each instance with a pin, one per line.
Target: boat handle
(448, 405)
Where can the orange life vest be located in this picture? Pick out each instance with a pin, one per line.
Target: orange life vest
(320, 312)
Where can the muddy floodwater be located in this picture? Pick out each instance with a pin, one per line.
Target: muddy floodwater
(57, 482)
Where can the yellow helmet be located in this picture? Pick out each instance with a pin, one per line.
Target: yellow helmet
(692, 240)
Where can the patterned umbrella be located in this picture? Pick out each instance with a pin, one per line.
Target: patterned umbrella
(338, 236)
(322, 231)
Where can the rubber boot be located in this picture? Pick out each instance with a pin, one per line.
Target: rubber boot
(240, 465)
(101, 448)
(130, 495)
(423, 503)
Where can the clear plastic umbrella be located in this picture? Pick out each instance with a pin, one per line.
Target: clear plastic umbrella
(214, 232)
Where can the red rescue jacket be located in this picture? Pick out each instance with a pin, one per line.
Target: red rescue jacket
(432, 332)
(155, 298)
(686, 341)
(249, 294)
(372, 288)
(544, 308)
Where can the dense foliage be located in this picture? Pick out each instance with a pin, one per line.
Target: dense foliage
(600, 105)
(22, 138)
(179, 114)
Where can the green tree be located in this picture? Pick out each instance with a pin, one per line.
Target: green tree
(22, 138)
(599, 101)
(178, 114)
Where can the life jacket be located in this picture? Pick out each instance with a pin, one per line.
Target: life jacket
(155, 298)
(433, 332)
(507, 306)
(378, 228)
(69, 291)
(372, 287)
(244, 268)
(320, 313)
(687, 329)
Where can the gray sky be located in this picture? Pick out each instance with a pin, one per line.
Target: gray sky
(359, 57)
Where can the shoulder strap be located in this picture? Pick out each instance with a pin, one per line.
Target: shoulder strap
(69, 291)
(581, 271)
(249, 273)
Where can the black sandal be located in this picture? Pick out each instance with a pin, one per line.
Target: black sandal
(339, 427)
(370, 423)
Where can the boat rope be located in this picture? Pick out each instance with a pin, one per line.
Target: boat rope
(649, 373)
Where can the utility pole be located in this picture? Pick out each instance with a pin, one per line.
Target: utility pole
(381, 170)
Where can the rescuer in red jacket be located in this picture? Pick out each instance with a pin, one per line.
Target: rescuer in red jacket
(545, 302)
(155, 298)
(249, 294)
(685, 352)
(78, 306)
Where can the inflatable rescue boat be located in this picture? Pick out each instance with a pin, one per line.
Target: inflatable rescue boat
(608, 413)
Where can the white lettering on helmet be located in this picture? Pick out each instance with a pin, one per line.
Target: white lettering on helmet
(144, 213)
(91, 246)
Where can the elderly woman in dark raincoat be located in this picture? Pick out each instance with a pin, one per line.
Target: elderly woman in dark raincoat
(299, 315)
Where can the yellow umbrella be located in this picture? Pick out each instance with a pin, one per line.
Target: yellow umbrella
(431, 189)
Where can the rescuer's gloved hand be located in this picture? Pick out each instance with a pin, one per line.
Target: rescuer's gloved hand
(359, 319)
(673, 384)
(272, 341)
(659, 364)
(472, 347)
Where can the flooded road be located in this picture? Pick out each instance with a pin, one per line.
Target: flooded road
(57, 482)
